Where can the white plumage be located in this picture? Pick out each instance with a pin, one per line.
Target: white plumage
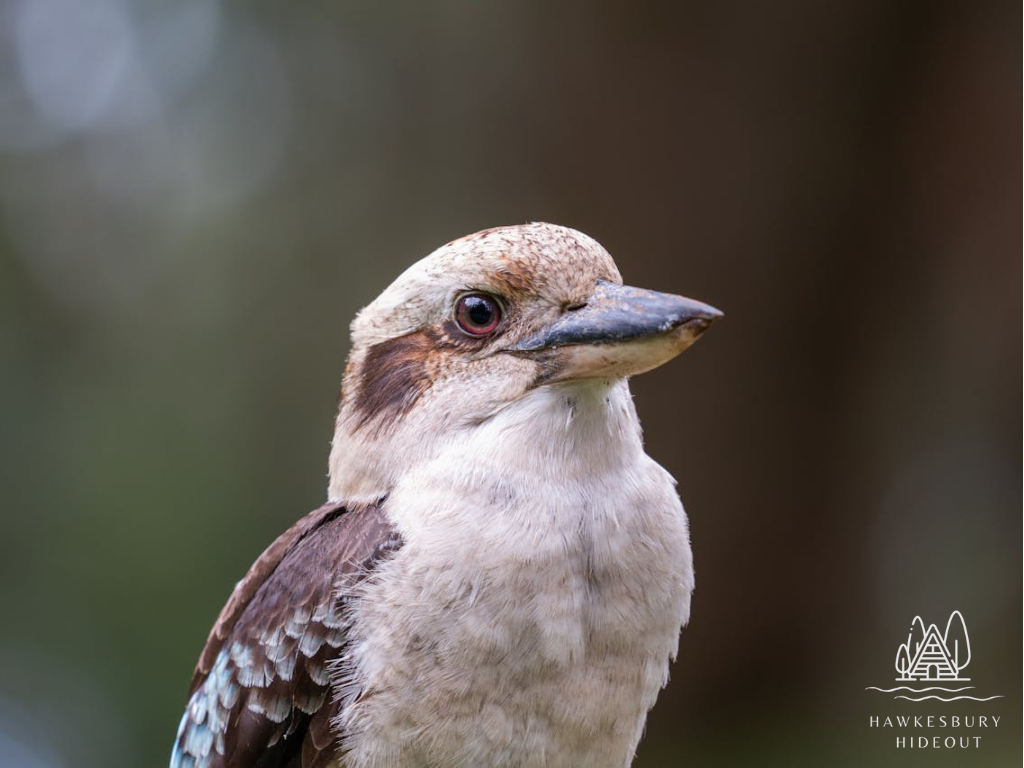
(504, 569)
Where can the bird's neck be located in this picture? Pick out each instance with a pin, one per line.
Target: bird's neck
(570, 430)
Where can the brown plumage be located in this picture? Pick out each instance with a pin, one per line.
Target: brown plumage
(265, 663)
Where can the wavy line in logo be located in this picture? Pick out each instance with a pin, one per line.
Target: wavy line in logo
(921, 690)
(952, 698)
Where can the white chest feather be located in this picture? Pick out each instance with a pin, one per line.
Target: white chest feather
(530, 617)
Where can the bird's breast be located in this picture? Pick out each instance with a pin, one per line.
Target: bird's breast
(529, 618)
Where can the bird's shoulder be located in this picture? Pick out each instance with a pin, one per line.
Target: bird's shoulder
(260, 693)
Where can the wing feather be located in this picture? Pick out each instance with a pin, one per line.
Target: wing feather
(260, 695)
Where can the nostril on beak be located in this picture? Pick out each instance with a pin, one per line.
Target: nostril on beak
(575, 307)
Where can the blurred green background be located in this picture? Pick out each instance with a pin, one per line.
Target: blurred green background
(196, 197)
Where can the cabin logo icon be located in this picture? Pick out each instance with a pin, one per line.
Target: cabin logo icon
(927, 655)
(932, 657)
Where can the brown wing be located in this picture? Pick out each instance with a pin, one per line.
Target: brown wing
(260, 695)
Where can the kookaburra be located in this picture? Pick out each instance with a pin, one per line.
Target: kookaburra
(500, 573)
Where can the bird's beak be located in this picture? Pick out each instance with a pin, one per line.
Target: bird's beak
(620, 331)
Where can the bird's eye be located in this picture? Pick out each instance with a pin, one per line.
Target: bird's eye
(477, 314)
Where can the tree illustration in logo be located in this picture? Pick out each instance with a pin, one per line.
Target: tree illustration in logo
(934, 658)
(929, 656)
(957, 643)
(903, 662)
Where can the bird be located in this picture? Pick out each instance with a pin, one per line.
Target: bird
(500, 574)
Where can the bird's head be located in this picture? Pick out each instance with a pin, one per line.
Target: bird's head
(478, 325)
